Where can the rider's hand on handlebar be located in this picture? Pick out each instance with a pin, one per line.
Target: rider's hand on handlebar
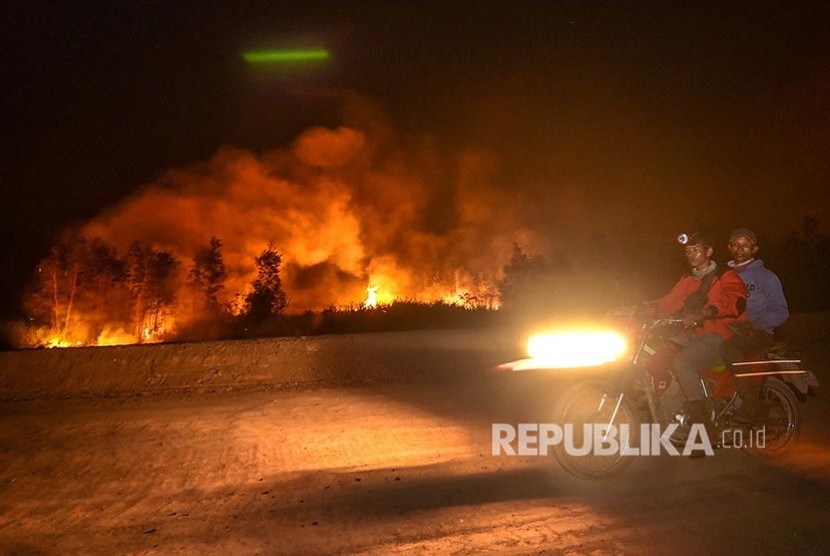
(647, 310)
(691, 320)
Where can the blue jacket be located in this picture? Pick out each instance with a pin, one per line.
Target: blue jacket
(766, 307)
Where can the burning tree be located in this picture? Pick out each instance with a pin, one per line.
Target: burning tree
(207, 278)
(152, 286)
(56, 285)
(72, 289)
(267, 299)
(105, 276)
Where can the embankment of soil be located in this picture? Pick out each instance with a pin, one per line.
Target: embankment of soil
(240, 364)
(423, 355)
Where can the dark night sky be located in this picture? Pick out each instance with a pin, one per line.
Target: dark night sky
(647, 114)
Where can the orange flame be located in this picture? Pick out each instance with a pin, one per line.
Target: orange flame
(371, 297)
(115, 337)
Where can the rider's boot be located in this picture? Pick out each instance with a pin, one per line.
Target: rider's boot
(698, 411)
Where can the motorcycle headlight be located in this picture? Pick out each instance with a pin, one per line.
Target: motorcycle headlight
(576, 348)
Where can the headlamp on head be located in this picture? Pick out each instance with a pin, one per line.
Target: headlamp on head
(694, 239)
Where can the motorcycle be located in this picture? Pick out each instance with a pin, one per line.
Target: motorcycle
(630, 391)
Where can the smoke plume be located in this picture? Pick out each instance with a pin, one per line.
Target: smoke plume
(345, 210)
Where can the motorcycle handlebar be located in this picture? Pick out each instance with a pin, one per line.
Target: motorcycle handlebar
(635, 312)
(667, 320)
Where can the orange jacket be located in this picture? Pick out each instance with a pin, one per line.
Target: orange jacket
(726, 300)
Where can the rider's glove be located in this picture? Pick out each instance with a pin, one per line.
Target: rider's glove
(647, 310)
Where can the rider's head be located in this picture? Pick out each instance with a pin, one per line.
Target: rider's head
(698, 249)
(743, 244)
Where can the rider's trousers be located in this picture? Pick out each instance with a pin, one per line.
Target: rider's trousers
(700, 351)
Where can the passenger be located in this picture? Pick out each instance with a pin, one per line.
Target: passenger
(766, 310)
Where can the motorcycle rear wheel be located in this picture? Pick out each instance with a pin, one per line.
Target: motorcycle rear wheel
(590, 403)
(783, 422)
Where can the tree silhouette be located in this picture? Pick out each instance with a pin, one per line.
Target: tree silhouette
(267, 300)
(519, 273)
(105, 274)
(72, 290)
(152, 285)
(802, 262)
(56, 284)
(207, 276)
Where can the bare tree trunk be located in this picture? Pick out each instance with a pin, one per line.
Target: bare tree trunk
(72, 289)
(155, 322)
(55, 306)
(140, 304)
(140, 316)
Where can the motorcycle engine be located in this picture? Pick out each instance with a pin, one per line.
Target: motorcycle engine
(670, 404)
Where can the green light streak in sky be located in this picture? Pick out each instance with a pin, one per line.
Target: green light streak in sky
(277, 56)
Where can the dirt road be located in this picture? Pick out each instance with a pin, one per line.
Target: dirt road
(396, 468)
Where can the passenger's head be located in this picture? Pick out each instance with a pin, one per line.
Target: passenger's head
(743, 244)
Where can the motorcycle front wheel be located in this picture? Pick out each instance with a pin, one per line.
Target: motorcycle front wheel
(594, 414)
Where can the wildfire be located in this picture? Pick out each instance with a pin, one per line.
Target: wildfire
(60, 343)
(108, 337)
(115, 337)
(354, 225)
(458, 297)
(371, 297)
(377, 296)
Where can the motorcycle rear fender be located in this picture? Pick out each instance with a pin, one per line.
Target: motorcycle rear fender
(801, 382)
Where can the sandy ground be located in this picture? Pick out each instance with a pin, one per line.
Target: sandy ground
(395, 468)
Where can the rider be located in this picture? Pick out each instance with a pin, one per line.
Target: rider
(709, 299)
(766, 310)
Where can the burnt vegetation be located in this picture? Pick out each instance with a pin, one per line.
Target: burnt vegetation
(84, 292)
